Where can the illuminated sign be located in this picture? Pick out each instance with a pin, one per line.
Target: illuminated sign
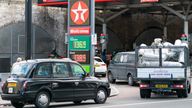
(80, 31)
(79, 12)
(149, 1)
(82, 57)
(80, 43)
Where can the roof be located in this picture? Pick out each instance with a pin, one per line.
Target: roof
(65, 2)
(128, 52)
(48, 60)
(134, 6)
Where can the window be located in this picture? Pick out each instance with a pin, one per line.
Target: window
(125, 57)
(131, 58)
(43, 70)
(21, 69)
(117, 58)
(98, 60)
(77, 70)
(60, 70)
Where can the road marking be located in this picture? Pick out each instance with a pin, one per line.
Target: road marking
(142, 103)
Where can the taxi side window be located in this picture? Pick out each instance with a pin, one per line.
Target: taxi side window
(77, 70)
(60, 70)
(43, 70)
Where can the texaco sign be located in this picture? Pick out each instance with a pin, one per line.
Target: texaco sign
(79, 12)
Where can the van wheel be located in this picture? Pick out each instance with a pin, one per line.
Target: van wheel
(185, 93)
(144, 93)
(130, 80)
(182, 93)
(17, 104)
(179, 94)
(42, 100)
(110, 77)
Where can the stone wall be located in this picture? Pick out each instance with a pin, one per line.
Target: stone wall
(130, 27)
(51, 19)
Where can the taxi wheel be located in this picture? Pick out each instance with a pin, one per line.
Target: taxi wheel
(101, 96)
(17, 104)
(42, 100)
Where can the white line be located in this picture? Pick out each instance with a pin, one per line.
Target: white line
(142, 103)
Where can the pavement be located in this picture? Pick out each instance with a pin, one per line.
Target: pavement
(114, 92)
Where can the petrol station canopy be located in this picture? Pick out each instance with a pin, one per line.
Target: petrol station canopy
(111, 9)
(144, 6)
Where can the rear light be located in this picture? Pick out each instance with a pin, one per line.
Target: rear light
(144, 85)
(25, 86)
(178, 86)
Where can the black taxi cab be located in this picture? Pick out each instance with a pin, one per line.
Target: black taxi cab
(42, 81)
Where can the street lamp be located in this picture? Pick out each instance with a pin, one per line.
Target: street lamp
(28, 28)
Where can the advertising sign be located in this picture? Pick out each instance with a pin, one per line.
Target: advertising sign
(80, 31)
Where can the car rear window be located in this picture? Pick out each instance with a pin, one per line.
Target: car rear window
(21, 69)
(98, 60)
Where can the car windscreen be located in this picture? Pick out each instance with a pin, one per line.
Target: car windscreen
(21, 69)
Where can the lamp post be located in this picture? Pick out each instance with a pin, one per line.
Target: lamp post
(28, 28)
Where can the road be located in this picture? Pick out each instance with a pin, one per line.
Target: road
(129, 98)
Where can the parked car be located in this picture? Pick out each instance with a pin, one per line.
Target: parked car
(100, 67)
(42, 81)
(122, 67)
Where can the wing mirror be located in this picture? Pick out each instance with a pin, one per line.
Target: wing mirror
(85, 75)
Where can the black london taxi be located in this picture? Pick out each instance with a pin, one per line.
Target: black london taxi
(42, 81)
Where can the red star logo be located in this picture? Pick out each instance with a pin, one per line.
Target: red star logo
(79, 12)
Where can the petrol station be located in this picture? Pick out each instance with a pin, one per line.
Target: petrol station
(81, 28)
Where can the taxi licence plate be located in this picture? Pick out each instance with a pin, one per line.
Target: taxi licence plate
(161, 86)
(12, 84)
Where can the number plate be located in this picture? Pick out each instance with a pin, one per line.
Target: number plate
(10, 90)
(12, 84)
(161, 86)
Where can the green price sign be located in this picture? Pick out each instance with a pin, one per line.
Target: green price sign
(79, 43)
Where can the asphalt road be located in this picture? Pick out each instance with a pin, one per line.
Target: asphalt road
(129, 98)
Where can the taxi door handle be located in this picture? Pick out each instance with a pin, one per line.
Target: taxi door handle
(55, 84)
(76, 83)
